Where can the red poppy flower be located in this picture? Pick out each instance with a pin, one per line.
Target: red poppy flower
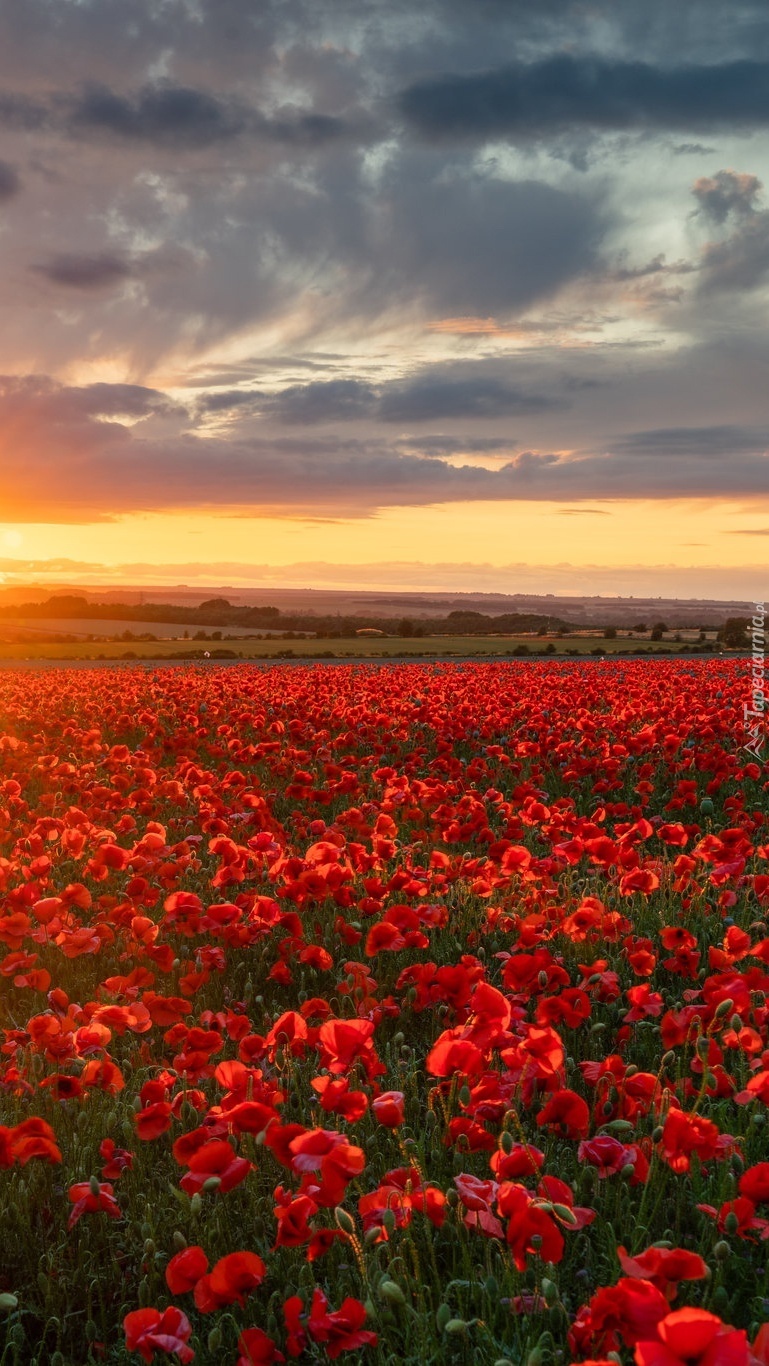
(341, 1330)
(696, 1338)
(215, 1158)
(685, 1134)
(606, 1154)
(255, 1348)
(185, 1270)
(633, 1308)
(90, 1197)
(527, 1223)
(664, 1267)
(148, 1331)
(389, 1108)
(566, 1114)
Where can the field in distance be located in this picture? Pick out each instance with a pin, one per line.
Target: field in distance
(360, 647)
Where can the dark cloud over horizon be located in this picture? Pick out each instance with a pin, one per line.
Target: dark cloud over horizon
(566, 91)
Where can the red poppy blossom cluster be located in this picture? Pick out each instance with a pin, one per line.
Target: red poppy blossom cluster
(325, 990)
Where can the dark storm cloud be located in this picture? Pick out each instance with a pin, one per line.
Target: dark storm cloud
(436, 395)
(322, 401)
(562, 92)
(10, 184)
(443, 392)
(183, 117)
(440, 444)
(472, 243)
(96, 270)
(694, 441)
(174, 115)
(37, 399)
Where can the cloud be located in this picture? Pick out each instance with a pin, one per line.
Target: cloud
(183, 117)
(725, 193)
(10, 184)
(563, 92)
(176, 116)
(463, 579)
(21, 114)
(84, 270)
(336, 400)
(691, 149)
(436, 395)
(468, 242)
(739, 263)
(72, 454)
(694, 441)
(432, 394)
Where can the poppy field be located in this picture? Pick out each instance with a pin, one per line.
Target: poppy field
(391, 1014)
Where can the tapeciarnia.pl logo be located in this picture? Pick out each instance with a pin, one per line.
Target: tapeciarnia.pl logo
(754, 711)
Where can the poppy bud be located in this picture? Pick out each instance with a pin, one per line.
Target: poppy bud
(542, 978)
(7, 1302)
(456, 1328)
(211, 1183)
(703, 1048)
(549, 1291)
(442, 1316)
(465, 1096)
(720, 1299)
(724, 1007)
(344, 1221)
(668, 1058)
(731, 1222)
(506, 1141)
(566, 1215)
(94, 1185)
(371, 1236)
(706, 806)
(657, 1135)
(628, 1170)
(215, 1339)
(392, 1292)
(196, 1203)
(722, 1251)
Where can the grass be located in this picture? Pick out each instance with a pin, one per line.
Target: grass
(348, 648)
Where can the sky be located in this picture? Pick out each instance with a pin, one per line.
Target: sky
(361, 292)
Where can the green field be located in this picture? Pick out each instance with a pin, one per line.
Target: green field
(350, 648)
